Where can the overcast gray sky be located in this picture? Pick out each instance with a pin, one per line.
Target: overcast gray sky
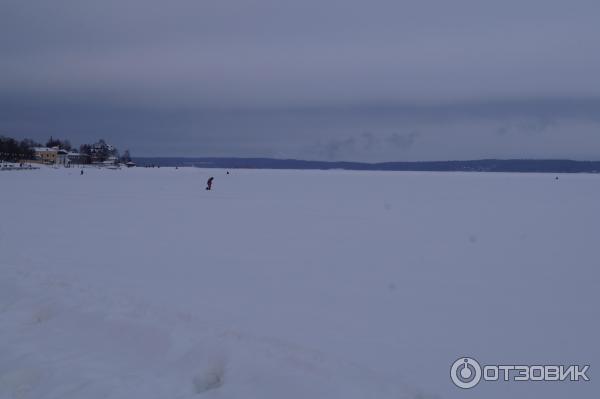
(313, 79)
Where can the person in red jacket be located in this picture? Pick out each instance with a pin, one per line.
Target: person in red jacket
(209, 183)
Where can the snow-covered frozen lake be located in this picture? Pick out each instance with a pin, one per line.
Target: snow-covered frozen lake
(139, 283)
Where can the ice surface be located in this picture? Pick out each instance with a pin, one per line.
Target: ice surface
(139, 283)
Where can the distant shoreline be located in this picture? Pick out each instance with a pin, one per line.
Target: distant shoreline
(482, 165)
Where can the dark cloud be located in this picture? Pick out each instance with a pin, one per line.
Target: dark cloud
(530, 125)
(366, 145)
(258, 77)
(335, 149)
(369, 141)
(403, 141)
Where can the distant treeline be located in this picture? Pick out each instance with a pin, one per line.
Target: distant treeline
(13, 150)
(484, 165)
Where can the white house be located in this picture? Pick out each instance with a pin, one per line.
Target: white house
(62, 157)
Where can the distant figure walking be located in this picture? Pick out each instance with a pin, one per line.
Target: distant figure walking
(81, 172)
(209, 183)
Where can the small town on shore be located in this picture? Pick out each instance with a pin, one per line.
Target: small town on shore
(29, 154)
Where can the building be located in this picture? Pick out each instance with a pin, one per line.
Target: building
(58, 156)
(101, 146)
(111, 160)
(62, 157)
(77, 158)
(46, 155)
(100, 152)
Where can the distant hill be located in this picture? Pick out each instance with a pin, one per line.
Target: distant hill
(483, 165)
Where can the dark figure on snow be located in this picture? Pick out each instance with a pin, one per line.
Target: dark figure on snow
(81, 172)
(209, 183)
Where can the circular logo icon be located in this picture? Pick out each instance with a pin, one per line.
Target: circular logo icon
(465, 372)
